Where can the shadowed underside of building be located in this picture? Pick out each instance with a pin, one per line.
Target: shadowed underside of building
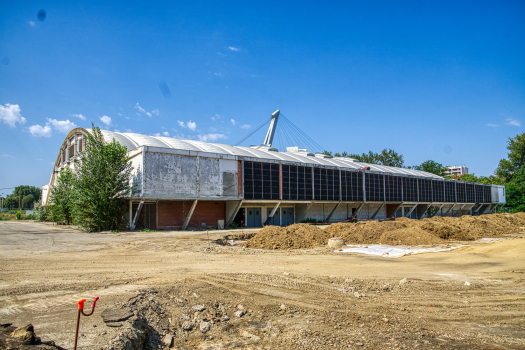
(179, 184)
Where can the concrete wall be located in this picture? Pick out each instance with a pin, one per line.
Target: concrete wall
(175, 176)
(137, 173)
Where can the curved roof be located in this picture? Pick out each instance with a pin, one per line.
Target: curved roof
(133, 140)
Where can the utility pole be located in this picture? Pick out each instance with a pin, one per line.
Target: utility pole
(19, 196)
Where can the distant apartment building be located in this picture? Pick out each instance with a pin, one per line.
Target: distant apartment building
(456, 170)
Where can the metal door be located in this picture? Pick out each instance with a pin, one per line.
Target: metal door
(287, 216)
(276, 220)
(253, 217)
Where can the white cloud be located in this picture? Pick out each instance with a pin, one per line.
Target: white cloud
(63, 126)
(233, 121)
(211, 137)
(120, 114)
(165, 133)
(513, 122)
(218, 74)
(78, 116)
(233, 48)
(246, 126)
(31, 23)
(142, 110)
(7, 155)
(106, 120)
(37, 130)
(10, 114)
(137, 106)
(220, 54)
(128, 130)
(191, 125)
(492, 125)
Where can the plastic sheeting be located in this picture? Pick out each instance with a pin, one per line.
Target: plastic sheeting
(388, 251)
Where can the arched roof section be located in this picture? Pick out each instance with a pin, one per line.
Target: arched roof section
(133, 140)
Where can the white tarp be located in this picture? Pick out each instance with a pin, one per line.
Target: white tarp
(388, 251)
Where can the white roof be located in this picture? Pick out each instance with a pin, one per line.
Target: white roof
(132, 141)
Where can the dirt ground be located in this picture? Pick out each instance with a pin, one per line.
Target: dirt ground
(469, 298)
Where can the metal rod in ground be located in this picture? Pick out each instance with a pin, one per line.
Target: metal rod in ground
(209, 244)
(78, 324)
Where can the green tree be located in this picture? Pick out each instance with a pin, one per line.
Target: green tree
(11, 201)
(27, 201)
(62, 196)
(515, 190)
(102, 181)
(487, 180)
(387, 157)
(328, 153)
(515, 157)
(431, 166)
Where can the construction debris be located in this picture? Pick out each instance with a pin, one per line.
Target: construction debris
(402, 231)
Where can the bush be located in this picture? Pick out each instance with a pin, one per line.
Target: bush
(4, 218)
(234, 225)
(29, 217)
(18, 215)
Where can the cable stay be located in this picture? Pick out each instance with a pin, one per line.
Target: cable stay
(253, 132)
(286, 135)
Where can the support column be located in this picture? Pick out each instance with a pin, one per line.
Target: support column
(449, 209)
(422, 209)
(458, 213)
(377, 211)
(410, 211)
(232, 208)
(301, 209)
(137, 214)
(130, 214)
(187, 220)
(272, 213)
(358, 209)
(441, 206)
(331, 213)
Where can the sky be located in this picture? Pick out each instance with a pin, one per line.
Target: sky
(440, 80)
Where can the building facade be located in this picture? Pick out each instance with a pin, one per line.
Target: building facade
(453, 170)
(180, 184)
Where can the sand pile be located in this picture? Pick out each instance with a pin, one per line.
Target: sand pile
(402, 231)
(428, 231)
(291, 237)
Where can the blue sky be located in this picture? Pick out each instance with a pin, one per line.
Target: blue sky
(441, 80)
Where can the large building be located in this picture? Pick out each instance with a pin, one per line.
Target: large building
(456, 170)
(181, 184)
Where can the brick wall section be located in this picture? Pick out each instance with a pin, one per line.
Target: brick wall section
(390, 209)
(173, 213)
(209, 213)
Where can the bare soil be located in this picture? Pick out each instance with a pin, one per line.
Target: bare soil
(402, 231)
(306, 298)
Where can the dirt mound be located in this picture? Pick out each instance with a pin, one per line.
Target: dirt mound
(405, 231)
(291, 237)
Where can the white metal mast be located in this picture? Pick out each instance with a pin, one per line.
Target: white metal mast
(271, 130)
